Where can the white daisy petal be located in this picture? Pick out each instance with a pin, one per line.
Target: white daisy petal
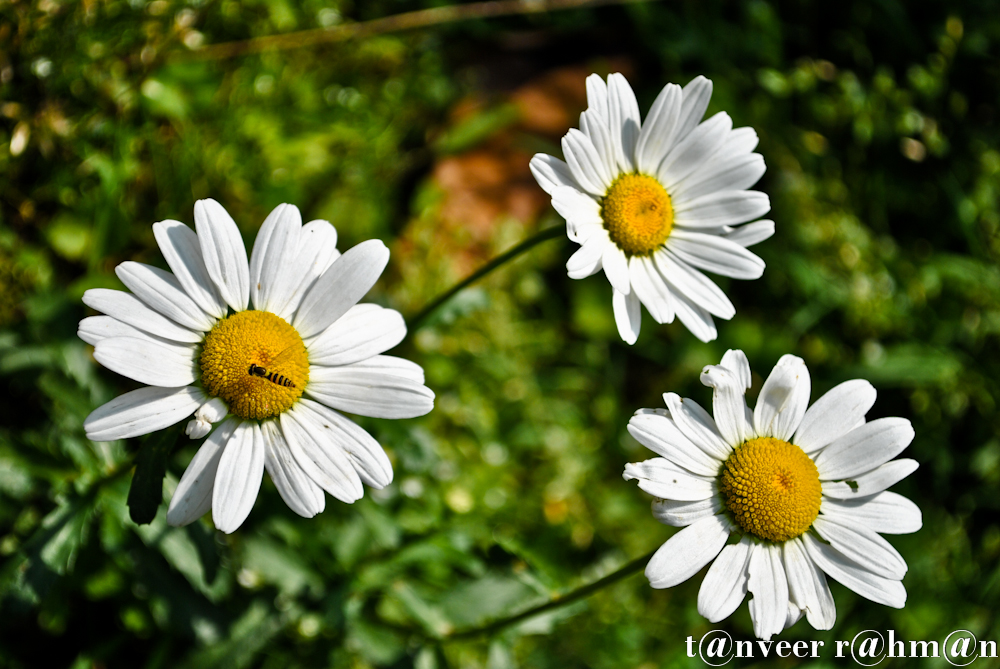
(736, 362)
(725, 584)
(180, 248)
(162, 292)
(729, 405)
(697, 426)
(864, 448)
(616, 268)
(682, 513)
(691, 152)
(721, 208)
(714, 254)
(364, 452)
(585, 163)
(662, 436)
(885, 512)
(656, 134)
(741, 141)
(298, 491)
(341, 286)
(737, 144)
(196, 428)
(151, 362)
(841, 569)
(807, 587)
(212, 411)
(96, 328)
(837, 412)
(651, 290)
(623, 110)
(694, 285)
(587, 259)
(865, 547)
(872, 482)
(317, 251)
(694, 102)
(769, 586)
(364, 331)
(628, 315)
(382, 387)
(783, 399)
(661, 478)
(793, 615)
(596, 129)
(694, 318)
(578, 209)
(274, 251)
(238, 479)
(192, 498)
(551, 173)
(142, 411)
(130, 310)
(224, 253)
(685, 553)
(733, 173)
(597, 96)
(327, 465)
(751, 233)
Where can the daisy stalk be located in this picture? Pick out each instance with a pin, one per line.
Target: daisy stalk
(525, 246)
(559, 600)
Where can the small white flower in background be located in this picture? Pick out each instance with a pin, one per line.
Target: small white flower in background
(803, 491)
(655, 202)
(274, 375)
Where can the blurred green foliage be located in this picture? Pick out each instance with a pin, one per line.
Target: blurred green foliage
(879, 125)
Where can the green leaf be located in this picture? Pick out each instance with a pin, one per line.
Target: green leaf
(146, 493)
(68, 525)
(493, 596)
(164, 99)
(909, 365)
(248, 636)
(191, 551)
(500, 656)
(281, 566)
(51, 549)
(480, 127)
(430, 617)
(69, 237)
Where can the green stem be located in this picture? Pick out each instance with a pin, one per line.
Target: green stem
(423, 18)
(558, 601)
(531, 242)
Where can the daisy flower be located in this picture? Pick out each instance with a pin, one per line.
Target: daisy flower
(267, 383)
(780, 497)
(653, 203)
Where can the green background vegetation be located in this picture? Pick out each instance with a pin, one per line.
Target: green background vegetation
(879, 125)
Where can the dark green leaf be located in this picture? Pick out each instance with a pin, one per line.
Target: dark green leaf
(146, 493)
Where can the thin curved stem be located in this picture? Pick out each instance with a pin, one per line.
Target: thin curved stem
(558, 601)
(407, 21)
(548, 233)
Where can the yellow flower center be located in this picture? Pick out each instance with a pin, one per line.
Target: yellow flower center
(637, 214)
(772, 488)
(256, 362)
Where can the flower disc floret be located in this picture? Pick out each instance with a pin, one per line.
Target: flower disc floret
(637, 214)
(772, 488)
(264, 340)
